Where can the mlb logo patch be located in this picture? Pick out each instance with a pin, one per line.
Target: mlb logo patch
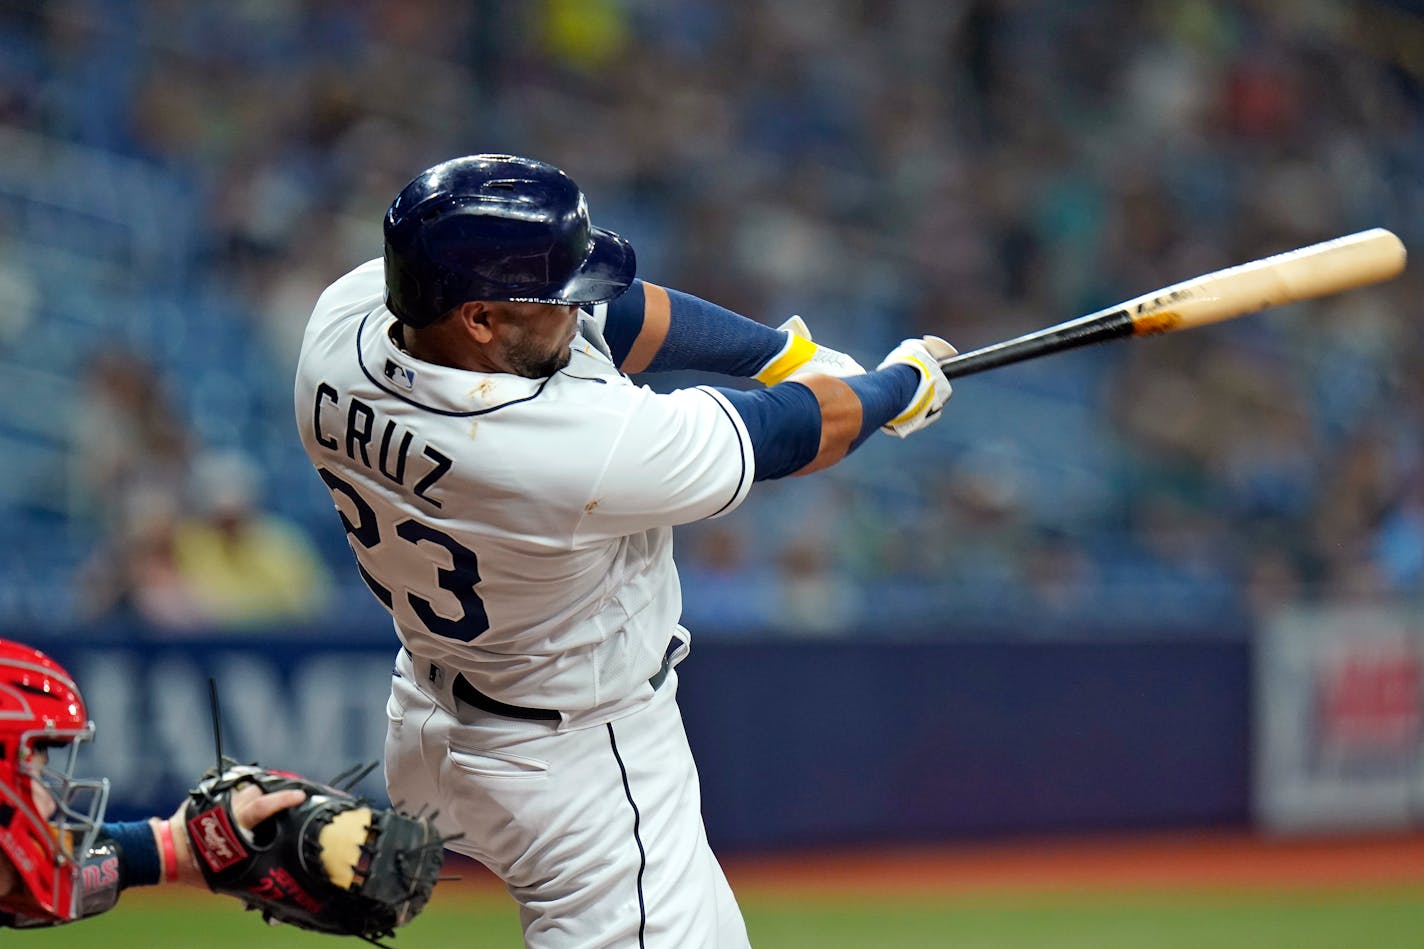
(400, 375)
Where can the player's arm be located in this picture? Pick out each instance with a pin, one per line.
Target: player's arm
(654, 329)
(813, 421)
(156, 851)
(641, 459)
(144, 853)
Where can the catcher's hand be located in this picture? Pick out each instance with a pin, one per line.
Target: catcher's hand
(330, 863)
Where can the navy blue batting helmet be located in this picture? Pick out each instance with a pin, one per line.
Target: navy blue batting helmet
(497, 227)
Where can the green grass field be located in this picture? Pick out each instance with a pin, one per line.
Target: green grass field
(1376, 919)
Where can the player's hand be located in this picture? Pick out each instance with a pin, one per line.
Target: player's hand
(924, 355)
(800, 355)
(251, 807)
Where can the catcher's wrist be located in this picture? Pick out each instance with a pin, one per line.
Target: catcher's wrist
(185, 866)
(167, 850)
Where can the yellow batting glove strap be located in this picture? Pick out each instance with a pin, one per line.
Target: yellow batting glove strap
(797, 352)
(919, 404)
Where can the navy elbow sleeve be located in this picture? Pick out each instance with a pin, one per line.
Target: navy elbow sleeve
(624, 321)
(784, 424)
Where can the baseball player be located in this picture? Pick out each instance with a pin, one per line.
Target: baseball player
(509, 495)
(59, 860)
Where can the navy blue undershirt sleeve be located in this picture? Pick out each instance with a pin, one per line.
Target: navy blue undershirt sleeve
(140, 864)
(784, 420)
(701, 335)
(784, 424)
(883, 394)
(623, 321)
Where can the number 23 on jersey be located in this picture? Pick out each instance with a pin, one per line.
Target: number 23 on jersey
(458, 579)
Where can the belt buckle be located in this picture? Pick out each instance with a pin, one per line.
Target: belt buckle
(661, 675)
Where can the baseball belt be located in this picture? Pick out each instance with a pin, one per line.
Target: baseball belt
(464, 690)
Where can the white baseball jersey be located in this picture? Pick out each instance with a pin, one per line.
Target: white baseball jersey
(518, 530)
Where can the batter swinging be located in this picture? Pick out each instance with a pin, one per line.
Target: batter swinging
(510, 495)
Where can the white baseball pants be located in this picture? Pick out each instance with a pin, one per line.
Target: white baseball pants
(597, 832)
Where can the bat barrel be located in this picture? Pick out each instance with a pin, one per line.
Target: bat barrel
(1355, 260)
(1307, 273)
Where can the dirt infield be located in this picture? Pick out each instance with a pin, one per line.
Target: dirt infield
(1199, 861)
(1209, 861)
(1168, 892)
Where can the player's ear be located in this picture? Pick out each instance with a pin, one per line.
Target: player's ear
(476, 318)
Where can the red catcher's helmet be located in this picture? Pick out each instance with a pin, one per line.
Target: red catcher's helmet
(48, 820)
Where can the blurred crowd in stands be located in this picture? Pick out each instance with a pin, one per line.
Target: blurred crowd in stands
(178, 181)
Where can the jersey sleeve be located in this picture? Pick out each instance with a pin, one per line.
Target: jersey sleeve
(679, 457)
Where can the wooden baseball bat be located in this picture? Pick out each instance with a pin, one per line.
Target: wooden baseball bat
(1355, 260)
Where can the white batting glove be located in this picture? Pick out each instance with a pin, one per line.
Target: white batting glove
(924, 354)
(800, 355)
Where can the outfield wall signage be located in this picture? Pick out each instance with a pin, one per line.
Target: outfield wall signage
(1338, 720)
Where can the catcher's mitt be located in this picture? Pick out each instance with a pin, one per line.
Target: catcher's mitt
(332, 863)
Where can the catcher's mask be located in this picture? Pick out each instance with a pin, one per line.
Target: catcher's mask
(48, 818)
(497, 227)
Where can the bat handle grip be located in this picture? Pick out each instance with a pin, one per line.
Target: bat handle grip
(1094, 328)
(979, 360)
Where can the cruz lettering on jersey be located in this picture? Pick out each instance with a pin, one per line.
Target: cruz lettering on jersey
(391, 450)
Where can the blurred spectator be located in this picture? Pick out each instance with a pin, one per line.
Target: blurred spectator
(1397, 545)
(976, 170)
(134, 576)
(125, 437)
(1273, 581)
(814, 598)
(245, 567)
(724, 591)
(19, 295)
(1060, 578)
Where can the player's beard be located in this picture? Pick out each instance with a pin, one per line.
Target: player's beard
(527, 358)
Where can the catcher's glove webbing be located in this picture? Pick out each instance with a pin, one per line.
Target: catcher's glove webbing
(332, 863)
